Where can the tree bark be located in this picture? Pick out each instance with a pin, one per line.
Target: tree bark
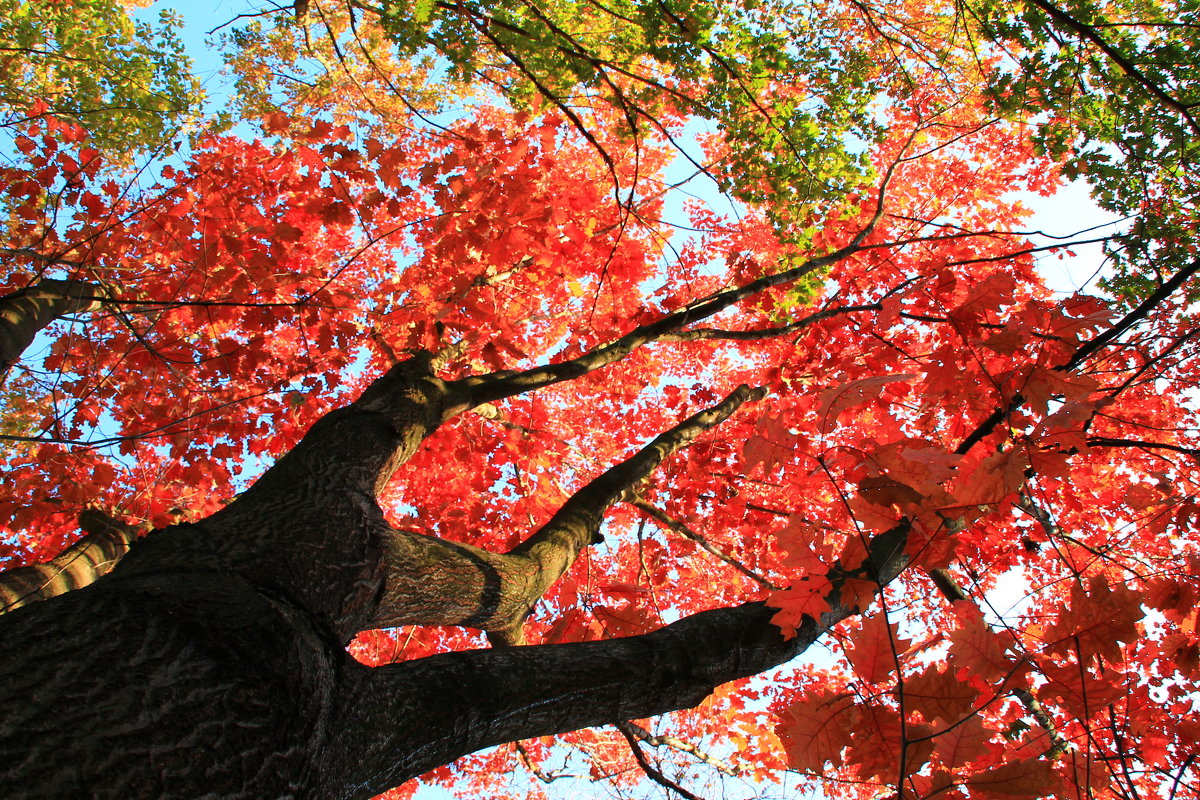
(105, 542)
(24, 313)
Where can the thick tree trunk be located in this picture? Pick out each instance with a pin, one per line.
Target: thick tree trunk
(211, 662)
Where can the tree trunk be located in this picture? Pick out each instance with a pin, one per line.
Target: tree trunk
(211, 661)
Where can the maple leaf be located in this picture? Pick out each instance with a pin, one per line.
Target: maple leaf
(808, 597)
(994, 478)
(801, 540)
(837, 399)
(1096, 621)
(886, 491)
(958, 743)
(1043, 384)
(875, 648)
(974, 647)
(880, 736)
(771, 445)
(1078, 688)
(628, 620)
(935, 692)
(814, 729)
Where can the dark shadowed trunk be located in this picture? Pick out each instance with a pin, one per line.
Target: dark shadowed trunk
(211, 661)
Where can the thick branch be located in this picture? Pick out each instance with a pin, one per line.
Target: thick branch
(310, 527)
(24, 313)
(403, 719)
(104, 544)
(555, 547)
(434, 582)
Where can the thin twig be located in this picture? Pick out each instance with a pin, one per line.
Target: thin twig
(652, 772)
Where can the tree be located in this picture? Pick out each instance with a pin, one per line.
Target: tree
(88, 61)
(497, 395)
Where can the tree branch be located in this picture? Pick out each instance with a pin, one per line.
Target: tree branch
(105, 542)
(474, 390)
(1125, 65)
(654, 740)
(1089, 348)
(1108, 441)
(402, 719)
(652, 772)
(1085, 351)
(954, 593)
(26, 312)
(431, 581)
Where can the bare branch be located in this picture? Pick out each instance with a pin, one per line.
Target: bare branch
(655, 740)
(652, 772)
(670, 523)
(1129, 68)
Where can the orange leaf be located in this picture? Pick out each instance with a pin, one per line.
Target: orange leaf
(837, 399)
(975, 647)
(807, 597)
(935, 692)
(814, 729)
(962, 742)
(993, 479)
(771, 444)
(1096, 621)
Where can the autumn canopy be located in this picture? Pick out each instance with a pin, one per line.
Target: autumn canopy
(487, 329)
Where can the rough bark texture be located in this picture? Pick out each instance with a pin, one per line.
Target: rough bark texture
(211, 663)
(105, 542)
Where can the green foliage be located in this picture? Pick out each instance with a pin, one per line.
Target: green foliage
(127, 83)
(1123, 79)
(790, 101)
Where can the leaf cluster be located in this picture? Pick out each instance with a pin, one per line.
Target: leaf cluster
(129, 82)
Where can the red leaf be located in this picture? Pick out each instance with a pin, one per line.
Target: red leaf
(875, 649)
(1025, 779)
